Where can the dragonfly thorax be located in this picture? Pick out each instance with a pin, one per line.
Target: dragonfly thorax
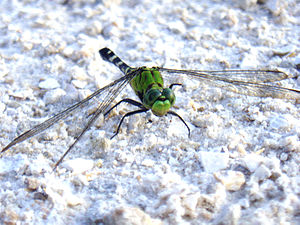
(159, 100)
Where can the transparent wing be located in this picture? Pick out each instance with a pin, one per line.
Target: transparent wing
(104, 97)
(253, 76)
(246, 82)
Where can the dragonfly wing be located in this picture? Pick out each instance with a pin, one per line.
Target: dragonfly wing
(111, 95)
(253, 76)
(259, 90)
(241, 85)
(104, 97)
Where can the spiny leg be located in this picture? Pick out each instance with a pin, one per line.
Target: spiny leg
(175, 114)
(132, 102)
(128, 100)
(171, 86)
(126, 115)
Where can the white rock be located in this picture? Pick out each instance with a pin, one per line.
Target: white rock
(3, 70)
(262, 173)
(252, 161)
(291, 142)
(177, 27)
(22, 93)
(78, 165)
(130, 215)
(79, 83)
(124, 157)
(214, 161)
(148, 163)
(232, 180)
(190, 202)
(246, 4)
(276, 6)
(281, 121)
(177, 128)
(2, 107)
(297, 60)
(229, 215)
(95, 28)
(249, 60)
(244, 202)
(78, 73)
(49, 83)
(282, 51)
(73, 200)
(8, 164)
(54, 95)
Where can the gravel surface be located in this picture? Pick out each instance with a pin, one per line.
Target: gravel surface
(241, 163)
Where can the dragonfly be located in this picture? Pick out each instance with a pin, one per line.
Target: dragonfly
(148, 85)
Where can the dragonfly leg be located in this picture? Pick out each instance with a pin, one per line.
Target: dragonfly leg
(175, 114)
(126, 115)
(128, 100)
(171, 86)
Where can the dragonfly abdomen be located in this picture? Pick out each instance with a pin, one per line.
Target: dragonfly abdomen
(110, 56)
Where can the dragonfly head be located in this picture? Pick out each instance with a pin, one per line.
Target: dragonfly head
(159, 100)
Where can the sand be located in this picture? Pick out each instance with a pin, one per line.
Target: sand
(241, 163)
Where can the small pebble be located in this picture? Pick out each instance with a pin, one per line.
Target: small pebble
(284, 50)
(78, 165)
(262, 173)
(232, 180)
(3, 71)
(79, 83)
(78, 73)
(2, 107)
(32, 183)
(95, 28)
(177, 27)
(229, 215)
(276, 6)
(252, 161)
(73, 200)
(148, 163)
(53, 96)
(49, 83)
(190, 202)
(291, 142)
(246, 4)
(214, 161)
(281, 121)
(297, 62)
(130, 216)
(249, 60)
(22, 94)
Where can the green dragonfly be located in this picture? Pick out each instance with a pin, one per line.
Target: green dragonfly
(148, 85)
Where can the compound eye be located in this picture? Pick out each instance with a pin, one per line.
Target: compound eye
(169, 94)
(151, 96)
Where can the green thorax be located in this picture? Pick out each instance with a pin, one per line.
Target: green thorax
(149, 87)
(147, 79)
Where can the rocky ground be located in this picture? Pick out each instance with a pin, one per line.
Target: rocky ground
(241, 163)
